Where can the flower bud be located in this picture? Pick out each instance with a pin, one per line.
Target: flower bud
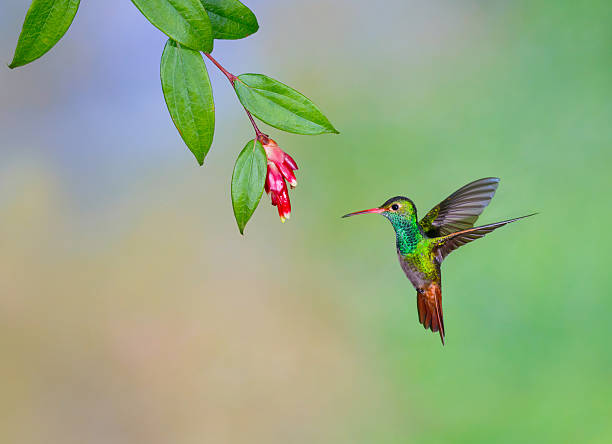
(280, 170)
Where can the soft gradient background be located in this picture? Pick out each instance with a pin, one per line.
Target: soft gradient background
(131, 310)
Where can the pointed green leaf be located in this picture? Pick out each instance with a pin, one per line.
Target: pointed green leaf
(184, 21)
(248, 182)
(230, 19)
(280, 106)
(189, 98)
(46, 22)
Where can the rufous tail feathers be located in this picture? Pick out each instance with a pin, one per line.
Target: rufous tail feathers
(429, 304)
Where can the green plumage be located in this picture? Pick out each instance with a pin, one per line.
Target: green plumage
(413, 246)
(422, 246)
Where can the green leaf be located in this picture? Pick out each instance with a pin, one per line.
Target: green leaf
(230, 19)
(45, 24)
(184, 21)
(189, 98)
(248, 182)
(280, 106)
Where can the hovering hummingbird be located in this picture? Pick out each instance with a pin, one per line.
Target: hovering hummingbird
(423, 245)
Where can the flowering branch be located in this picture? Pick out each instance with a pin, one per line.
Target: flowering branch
(191, 27)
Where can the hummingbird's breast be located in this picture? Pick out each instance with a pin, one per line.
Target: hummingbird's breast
(420, 266)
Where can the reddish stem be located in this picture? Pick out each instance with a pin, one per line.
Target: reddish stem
(231, 77)
(263, 138)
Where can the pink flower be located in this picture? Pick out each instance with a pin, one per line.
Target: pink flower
(280, 169)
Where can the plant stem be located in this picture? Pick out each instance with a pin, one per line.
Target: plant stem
(231, 77)
(263, 138)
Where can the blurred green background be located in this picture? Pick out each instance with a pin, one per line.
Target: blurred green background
(131, 310)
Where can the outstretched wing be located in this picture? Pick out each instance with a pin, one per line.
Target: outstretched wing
(453, 241)
(460, 210)
(429, 305)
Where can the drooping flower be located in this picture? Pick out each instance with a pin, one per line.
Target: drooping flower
(280, 169)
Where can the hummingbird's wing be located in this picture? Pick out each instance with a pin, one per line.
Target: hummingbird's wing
(460, 210)
(429, 305)
(451, 242)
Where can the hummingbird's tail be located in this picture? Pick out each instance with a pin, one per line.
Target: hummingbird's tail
(429, 304)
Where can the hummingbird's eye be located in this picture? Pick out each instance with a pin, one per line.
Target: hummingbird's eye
(395, 207)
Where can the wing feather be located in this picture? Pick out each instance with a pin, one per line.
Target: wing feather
(455, 240)
(460, 210)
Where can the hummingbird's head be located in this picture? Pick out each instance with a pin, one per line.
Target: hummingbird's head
(398, 207)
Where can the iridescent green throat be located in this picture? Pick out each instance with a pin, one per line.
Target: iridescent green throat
(407, 231)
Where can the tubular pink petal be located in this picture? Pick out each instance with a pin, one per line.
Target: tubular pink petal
(275, 178)
(280, 169)
(284, 205)
(289, 161)
(283, 213)
(274, 153)
(288, 174)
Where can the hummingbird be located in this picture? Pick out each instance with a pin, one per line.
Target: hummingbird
(423, 244)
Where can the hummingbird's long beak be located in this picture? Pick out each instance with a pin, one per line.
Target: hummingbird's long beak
(371, 210)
